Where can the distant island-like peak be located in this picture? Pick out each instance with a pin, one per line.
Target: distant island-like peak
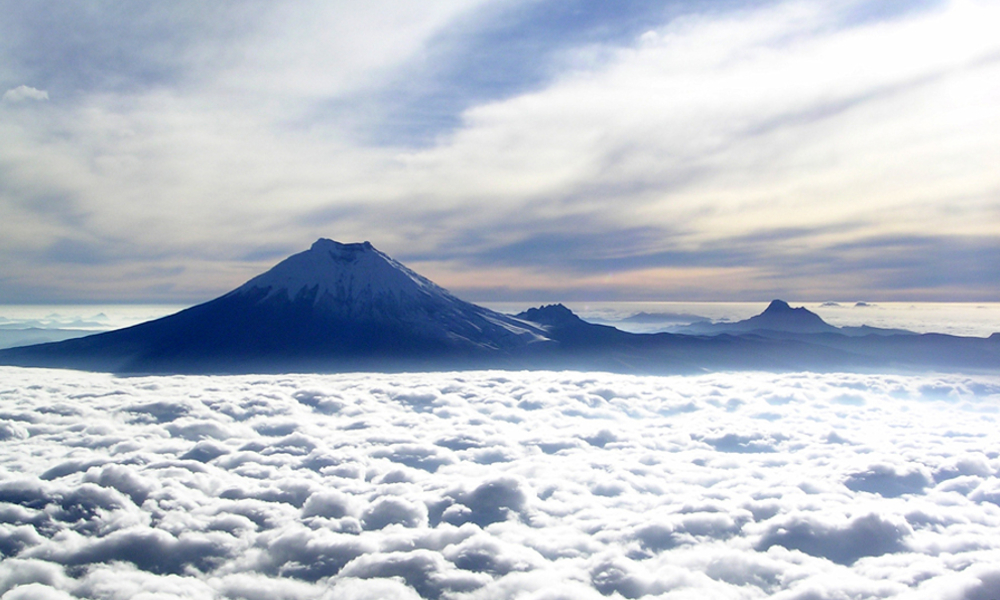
(777, 306)
(781, 316)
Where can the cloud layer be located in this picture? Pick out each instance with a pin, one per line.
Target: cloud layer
(499, 485)
(508, 149)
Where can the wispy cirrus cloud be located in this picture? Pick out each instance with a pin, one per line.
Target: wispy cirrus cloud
(480, 139)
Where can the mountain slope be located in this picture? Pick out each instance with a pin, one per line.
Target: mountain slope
(333, 307)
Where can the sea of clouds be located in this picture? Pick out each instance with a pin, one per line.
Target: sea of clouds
(491, 485)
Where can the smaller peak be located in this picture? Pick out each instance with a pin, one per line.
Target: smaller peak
(779, 316)
(557, 308)
(777, 306)
(549, 314)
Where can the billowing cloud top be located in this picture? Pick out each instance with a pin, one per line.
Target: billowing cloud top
(22, 93)
(499, 485)
(507, 149)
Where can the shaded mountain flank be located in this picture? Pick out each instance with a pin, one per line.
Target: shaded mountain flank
(349, 307)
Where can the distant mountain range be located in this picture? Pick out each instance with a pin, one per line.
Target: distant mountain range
(23, 336)
(780, 318)
(342, 307)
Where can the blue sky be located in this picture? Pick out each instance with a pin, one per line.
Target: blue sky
(523, 149)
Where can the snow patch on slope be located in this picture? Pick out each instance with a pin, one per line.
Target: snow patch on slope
(360, 283)
(347, 272)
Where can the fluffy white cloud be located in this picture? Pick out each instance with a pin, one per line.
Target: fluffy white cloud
(499, 485)
(23, 93)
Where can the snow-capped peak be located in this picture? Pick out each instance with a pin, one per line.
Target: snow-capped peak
(347, 272)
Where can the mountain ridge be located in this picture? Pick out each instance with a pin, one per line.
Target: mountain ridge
(349, 307)
(781, 318)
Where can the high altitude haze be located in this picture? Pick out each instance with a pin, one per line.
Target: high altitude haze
(508, 149)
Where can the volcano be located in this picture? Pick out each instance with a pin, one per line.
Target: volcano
(333, 307)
